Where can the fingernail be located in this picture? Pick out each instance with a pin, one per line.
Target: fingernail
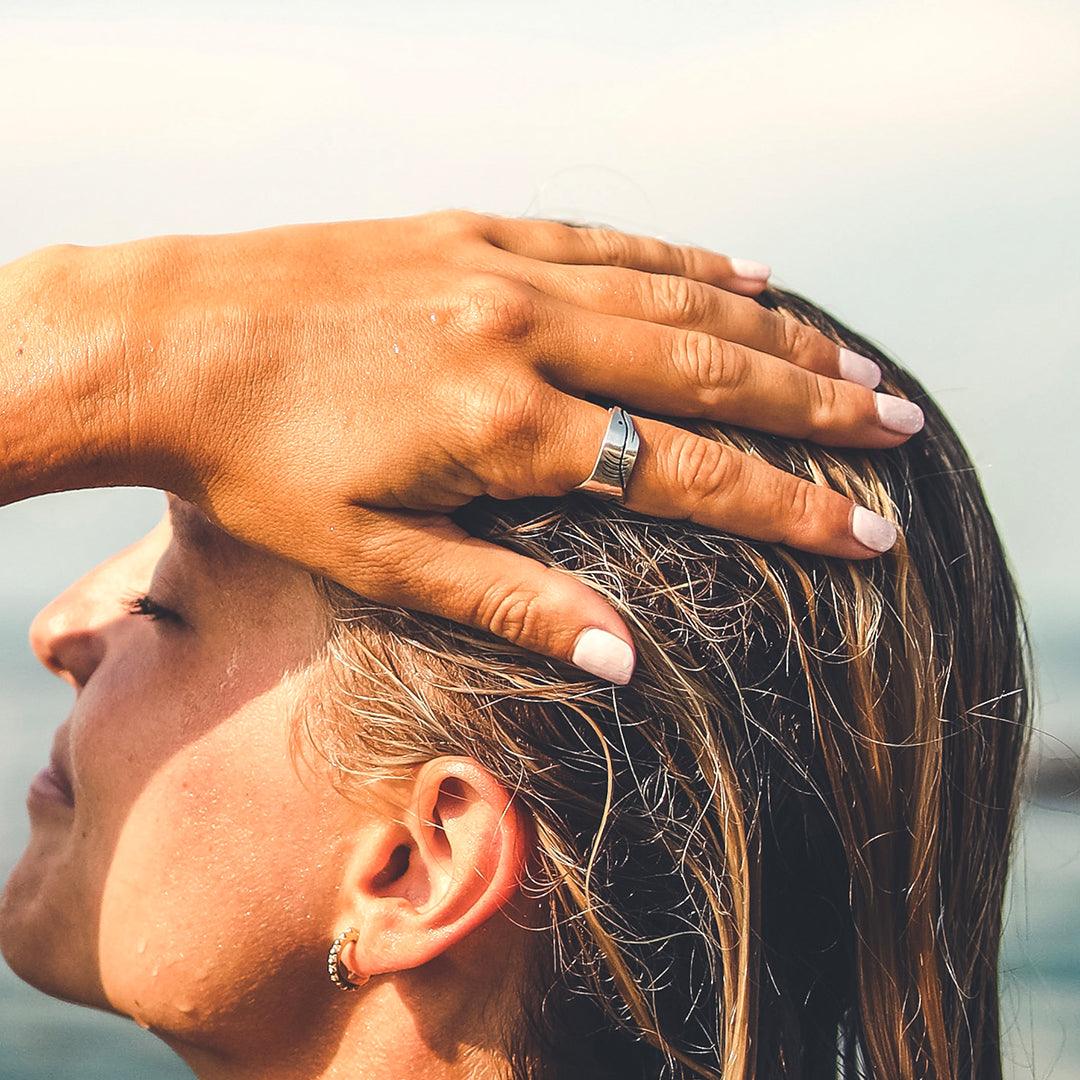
(872, 529)
(747, 268)
(603, 654)
(898, 414)
(859, 369)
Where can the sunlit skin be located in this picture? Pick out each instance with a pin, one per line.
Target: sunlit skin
(332, 392)
(205, 867)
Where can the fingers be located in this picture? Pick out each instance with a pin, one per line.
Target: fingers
(695, 305)
(554, 242)
(681, 475)
(427, 563)
(677, 372)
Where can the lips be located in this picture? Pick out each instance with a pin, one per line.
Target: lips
(61, 774)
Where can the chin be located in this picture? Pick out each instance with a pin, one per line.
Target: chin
(32, 944)
(21, 948)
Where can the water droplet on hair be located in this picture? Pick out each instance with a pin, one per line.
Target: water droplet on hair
(397, 348)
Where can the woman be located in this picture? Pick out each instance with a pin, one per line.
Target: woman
(781, 846)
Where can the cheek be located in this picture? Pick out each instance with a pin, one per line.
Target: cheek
(222, 871)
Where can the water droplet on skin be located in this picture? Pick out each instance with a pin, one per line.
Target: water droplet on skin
(156, 969)
(185, 1006)
(140, 947)
(434, 317)
(144, 1024)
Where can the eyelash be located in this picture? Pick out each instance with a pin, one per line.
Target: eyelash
(151, 609)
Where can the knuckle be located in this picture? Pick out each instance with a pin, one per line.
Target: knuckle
(509, 614)
(611, 246)
(810, 346)
(704, 467)
(46, 268)
(505, 419)
(676, 297)
(494, 308)
(458, 221)
(792, 335)
(821, 408)
(692, 262)
(710, 365)
(799, 502)
(514, 416)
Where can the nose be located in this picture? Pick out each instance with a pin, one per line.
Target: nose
(68, 637)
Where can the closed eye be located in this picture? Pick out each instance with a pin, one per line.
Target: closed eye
(151, 609)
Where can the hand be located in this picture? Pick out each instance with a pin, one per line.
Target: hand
(330, 392)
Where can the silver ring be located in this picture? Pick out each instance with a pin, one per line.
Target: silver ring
(615, 461)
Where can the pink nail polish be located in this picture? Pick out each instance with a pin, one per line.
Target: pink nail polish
(747, 268)
(872, 529)
(898, 414)
(859, 369)
(605, 655)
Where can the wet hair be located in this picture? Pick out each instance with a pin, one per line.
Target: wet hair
(781, 850)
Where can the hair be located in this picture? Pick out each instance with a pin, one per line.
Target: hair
(781, 850)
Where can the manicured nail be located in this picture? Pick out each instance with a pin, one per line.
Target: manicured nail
(603, 654)
(747, 268)
(898, 414)
(859, 369)
(872, 529)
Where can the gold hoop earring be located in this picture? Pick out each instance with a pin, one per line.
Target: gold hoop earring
(338, 972)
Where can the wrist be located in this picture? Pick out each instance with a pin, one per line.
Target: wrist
(144, 359)
(59, 402)
(74, 409)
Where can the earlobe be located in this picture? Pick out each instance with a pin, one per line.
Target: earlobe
(341, 974)
(445, 866)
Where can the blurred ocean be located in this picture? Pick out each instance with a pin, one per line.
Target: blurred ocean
(43, 1039)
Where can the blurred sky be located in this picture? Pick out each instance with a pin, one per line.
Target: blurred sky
(912, 166)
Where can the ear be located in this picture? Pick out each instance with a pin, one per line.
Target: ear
(425, 879)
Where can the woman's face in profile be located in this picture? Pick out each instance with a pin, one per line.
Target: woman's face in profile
(193, 877)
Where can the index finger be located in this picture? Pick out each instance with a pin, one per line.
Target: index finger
(556, 242)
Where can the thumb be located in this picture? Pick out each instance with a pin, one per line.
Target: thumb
(428, 563)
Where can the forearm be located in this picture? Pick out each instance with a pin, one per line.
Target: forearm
(68, 360)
